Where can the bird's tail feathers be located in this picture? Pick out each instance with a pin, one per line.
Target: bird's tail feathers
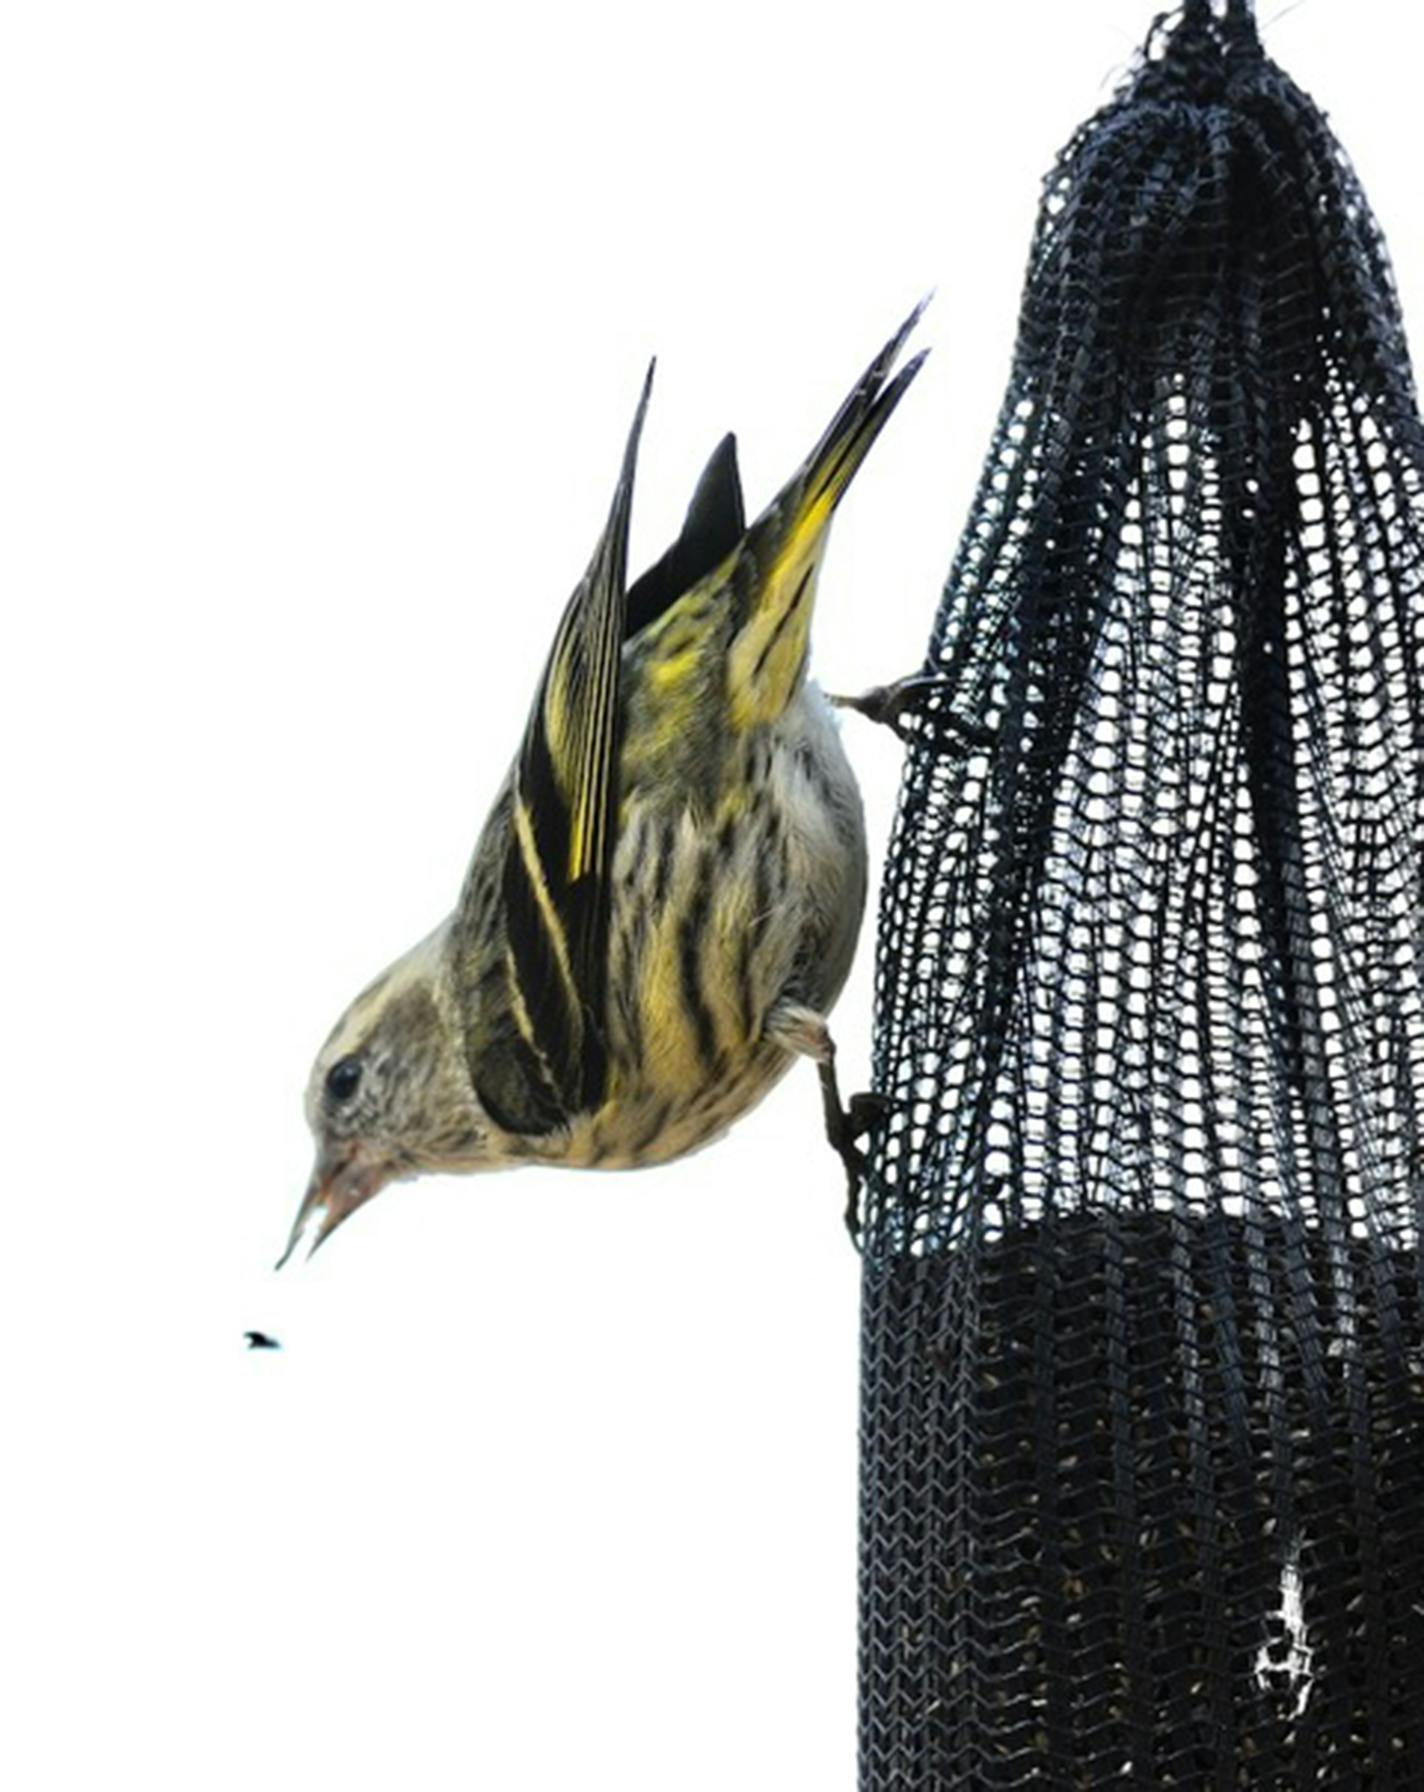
(768, 657)
(848, 438)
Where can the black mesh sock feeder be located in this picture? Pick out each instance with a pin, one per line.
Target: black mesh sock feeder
(1143, 1321)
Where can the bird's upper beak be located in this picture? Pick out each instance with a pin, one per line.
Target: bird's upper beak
(344, 1178)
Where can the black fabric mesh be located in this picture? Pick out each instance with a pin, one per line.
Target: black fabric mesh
(1143, 1375)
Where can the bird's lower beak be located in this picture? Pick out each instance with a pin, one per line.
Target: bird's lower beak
(339, 1185)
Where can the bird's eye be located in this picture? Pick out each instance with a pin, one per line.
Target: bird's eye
(343, 1079)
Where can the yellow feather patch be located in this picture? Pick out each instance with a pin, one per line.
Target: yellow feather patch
(668, 674)
(670, 1051)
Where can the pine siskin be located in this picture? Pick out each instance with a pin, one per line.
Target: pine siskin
(665, 899)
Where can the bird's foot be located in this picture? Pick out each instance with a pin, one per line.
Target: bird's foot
(901, 706)
(846, 1125)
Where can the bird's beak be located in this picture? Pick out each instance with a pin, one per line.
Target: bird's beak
(341, 1182)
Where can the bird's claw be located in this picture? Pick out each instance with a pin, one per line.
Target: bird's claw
(899, 706)
(867, 1109)
(845, 1127)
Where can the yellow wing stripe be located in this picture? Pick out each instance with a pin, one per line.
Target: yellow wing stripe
(590, 817)
(549, 914)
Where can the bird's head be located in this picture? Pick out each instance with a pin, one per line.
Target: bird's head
(389, 1097)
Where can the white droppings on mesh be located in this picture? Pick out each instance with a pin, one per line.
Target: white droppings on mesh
(1285, 1661)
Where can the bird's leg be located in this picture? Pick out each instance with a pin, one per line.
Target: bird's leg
(805, 1032)
(892, 704)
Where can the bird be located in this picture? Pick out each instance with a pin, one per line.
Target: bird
(261, 1341)
(664, 901)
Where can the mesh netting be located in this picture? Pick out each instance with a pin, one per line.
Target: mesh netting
(1143, 1394)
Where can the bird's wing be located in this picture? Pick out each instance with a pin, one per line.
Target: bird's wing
(538, 1055)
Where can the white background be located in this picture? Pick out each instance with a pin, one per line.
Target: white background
(322, 327)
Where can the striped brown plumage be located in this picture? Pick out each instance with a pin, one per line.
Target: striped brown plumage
(664, 902)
